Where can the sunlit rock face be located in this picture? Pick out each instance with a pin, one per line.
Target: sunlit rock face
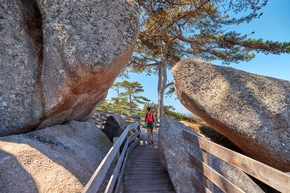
(59, 58)
(252, 111)
(60, 158)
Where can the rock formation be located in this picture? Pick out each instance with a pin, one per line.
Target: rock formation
(252, 111)
(174, 149)
(54, 159)
(114, 127)
(59, 58)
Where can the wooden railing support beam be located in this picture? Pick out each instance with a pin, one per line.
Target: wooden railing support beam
(97, 178)
(270, 176)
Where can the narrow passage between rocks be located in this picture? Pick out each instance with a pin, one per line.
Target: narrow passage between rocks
(144, 172)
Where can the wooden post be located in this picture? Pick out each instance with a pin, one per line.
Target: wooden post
(139, 129)
(207, 159)
(101, 121)
(118, 154)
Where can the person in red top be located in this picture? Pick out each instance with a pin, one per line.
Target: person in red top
(149, 122)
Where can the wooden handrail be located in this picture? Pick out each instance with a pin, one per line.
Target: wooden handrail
(271, 176)
(114, 183)
(101, 117)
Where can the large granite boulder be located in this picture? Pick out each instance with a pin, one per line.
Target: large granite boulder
(60, 158)
(174, 151)
(252, 111)
(59, 58)
(114, 126)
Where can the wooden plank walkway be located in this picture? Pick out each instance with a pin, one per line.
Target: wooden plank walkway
(144, 172)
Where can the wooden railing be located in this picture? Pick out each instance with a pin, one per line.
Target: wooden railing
(120, 151)
(270, 176)
(101, 117)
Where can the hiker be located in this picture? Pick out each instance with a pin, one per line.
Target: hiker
(149, 122)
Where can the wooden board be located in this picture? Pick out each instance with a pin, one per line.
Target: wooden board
(95, 181)
(271, 176)
(144, 172)
(220, 181)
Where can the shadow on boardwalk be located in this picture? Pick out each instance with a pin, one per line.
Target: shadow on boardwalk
(144, 172)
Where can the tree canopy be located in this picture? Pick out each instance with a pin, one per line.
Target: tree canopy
(175, 29)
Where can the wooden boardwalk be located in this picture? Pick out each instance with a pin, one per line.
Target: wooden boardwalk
(144, 172)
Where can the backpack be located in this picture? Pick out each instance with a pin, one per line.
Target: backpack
(149, 119)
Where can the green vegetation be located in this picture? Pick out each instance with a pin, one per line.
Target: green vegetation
(121, 105)
(127, 100)
(172, 30)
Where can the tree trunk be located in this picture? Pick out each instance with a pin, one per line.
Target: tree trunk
(130, 104)
(162, 78)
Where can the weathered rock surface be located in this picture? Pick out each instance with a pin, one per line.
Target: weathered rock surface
(252, 111)
(20, 103)
(61, 158)
(174, 149)
(114, 127)
(59, 58)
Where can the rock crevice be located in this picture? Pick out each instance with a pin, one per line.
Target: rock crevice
(64, 57)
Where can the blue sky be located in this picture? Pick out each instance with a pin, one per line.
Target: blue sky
(273, 25)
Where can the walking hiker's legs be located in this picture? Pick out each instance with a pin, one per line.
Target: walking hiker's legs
(149, 139)
(152, 136)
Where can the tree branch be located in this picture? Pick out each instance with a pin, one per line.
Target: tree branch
(168, 85)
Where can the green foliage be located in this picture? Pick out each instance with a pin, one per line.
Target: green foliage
(106, 106)
(127, 100)
(169, 111)
(132, 89)
(198, 28)
(120, 105)
(154, 108)
(170, 91)
(171, 30)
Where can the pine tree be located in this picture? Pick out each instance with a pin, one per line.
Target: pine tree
(128, 98)
(175, 29)
(132, 89)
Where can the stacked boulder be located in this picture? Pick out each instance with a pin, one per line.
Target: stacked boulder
(252, 111)
(58, 60)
